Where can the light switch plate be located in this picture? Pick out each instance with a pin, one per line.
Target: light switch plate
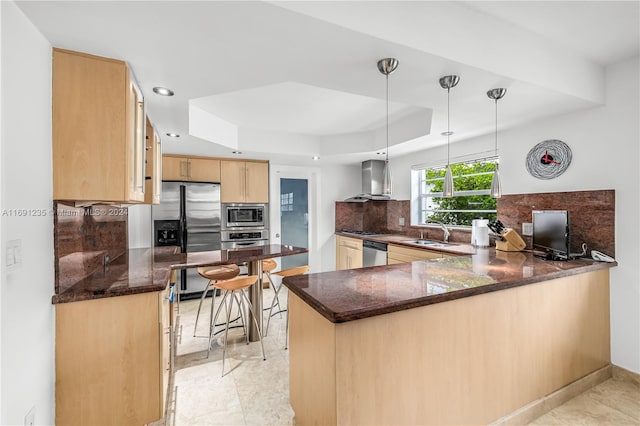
(527, 229)
(13, 257)
(401, 221)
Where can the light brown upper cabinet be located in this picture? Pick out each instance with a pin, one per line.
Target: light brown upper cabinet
(98, 130)
(244, 181)
(191, 169)
(153, 166)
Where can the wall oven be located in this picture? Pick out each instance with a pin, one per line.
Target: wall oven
(242, 216)
(233, 239)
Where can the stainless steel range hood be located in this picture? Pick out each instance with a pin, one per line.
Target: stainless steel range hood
(372, 177)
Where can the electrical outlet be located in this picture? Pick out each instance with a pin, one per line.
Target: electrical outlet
(30, 418)
(527, 229)
(401, 221)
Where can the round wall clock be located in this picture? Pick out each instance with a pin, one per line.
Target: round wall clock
(548, 159)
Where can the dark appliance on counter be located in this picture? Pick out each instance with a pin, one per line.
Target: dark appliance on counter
(551, 236)
(188, 216)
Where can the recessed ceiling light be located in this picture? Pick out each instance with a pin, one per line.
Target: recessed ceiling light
(315, 157)
(236, 152)
(163, 91)
(173, 135)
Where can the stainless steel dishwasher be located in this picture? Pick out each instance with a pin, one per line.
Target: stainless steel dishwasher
(374, 253)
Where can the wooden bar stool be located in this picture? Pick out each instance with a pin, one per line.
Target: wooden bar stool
(269, 265)
(298, 270)
(231, 288)
(213, 274)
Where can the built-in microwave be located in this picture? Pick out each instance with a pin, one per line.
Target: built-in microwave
(244, 216)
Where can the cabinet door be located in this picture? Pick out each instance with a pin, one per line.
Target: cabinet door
(165, 344)
(401, 254)
(257, 182)
(341, 258)
(89, 128)
(136, 126)
(355, 257)
(157, 169)
(348, 253)
(232, 181)
(109, 346)
(174, 168)
(204, 170)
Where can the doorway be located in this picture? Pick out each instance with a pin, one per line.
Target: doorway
(294, 219)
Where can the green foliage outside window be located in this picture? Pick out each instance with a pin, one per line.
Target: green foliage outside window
(471, 199)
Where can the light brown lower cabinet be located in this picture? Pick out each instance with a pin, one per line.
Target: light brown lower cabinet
(113, 359)
(348, 253)
(401, 254)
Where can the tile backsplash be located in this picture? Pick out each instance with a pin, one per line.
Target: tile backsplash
(83, 237)
(592, 217)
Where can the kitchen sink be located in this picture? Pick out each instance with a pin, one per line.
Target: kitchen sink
(432, 243)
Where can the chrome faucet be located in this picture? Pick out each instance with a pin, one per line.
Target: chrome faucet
(445, 238)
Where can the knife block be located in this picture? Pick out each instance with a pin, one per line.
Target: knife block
(513, 241)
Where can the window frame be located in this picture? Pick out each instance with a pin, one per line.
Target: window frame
(419, 182)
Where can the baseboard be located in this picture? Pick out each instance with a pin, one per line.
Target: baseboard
(620, 373)
(539, 407)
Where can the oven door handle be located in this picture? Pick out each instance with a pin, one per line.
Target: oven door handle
(251, 243)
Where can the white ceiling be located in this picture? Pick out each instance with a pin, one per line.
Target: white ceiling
(287, 80)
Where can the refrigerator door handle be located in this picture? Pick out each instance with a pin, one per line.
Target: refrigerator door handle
(183, 219)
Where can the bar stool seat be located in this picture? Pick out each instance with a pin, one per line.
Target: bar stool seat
(231, 288)
(214, 274)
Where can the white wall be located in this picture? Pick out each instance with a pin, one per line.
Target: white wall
(337, 184)
(604, 142)
(326, 185)
(28, 322)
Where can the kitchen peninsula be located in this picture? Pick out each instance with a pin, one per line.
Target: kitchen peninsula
(457, 340)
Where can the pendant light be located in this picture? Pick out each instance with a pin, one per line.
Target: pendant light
(496, 187)
(447, 82)
(386, 66)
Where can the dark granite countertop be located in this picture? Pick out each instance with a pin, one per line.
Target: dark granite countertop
(147, 270)
(353, 294)
(454, 248)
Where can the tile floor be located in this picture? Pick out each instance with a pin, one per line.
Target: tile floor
(256, 392)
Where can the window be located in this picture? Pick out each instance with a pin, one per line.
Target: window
(471, 200)
(286, 202)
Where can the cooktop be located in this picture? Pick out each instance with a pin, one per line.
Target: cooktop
(363, 232)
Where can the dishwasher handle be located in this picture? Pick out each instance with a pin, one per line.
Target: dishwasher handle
(374, 245)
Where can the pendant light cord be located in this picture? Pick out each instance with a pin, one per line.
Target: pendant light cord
(387, 151)
(448, 127)
(496, 138)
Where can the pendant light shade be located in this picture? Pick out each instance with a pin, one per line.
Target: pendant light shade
(386, 66)
(496, 187)
(447, 82)
(447, 189)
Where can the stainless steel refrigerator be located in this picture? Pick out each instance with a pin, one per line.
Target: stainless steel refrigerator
(188, 216)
